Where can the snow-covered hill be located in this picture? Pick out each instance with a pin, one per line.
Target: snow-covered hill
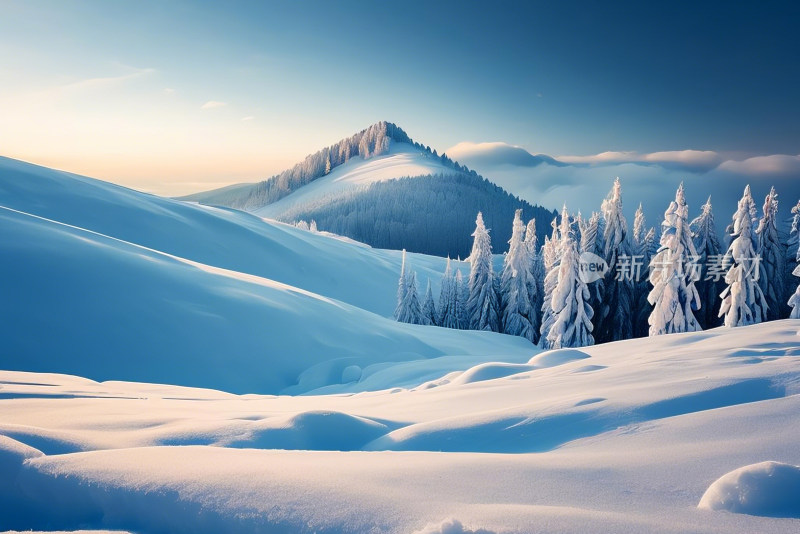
(402, 160)
(382, 188)
(624, 437)
(105, 282)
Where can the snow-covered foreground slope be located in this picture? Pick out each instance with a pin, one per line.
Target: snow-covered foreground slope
(403, 160)
(625, 437)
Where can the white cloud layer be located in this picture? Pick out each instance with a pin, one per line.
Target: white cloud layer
(484, 156)
(776, 164)
(211, 104)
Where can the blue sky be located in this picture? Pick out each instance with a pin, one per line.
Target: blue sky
(178, 96)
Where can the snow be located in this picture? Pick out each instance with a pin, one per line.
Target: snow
(333, 267)
(297, 405)
(403, 160)
(625, 436)
(766, 489)
(157, 316)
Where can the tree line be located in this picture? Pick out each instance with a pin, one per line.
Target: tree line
(679, 278)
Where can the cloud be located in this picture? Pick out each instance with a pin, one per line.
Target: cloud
(169, 91)
(689, 160)
(481, 155)
(248, 118)
(211, 104)
(79, 88)
(776, 164)
(487, 158)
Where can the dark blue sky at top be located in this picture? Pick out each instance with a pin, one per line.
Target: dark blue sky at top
(554, 77)
(640, 76)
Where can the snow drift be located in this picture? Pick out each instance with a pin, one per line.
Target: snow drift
(768, 489)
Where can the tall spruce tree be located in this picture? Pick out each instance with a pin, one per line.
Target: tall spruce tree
(773, 260)
(616, 319)
(535, 279)
(552, 253)
(408, 309)
(743, 301)
(642, 254)
(674, 297)
(572, 325)
(592, 242)
(462, 297)
(484, 302)
(515, 284)
(792, 249)
(709, 255)
(429, 316)
(448, 295)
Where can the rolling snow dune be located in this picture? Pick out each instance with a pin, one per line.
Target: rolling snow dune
(358, 275)
(88, 304)
(630, 445)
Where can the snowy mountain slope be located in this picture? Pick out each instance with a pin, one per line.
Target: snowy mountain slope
(378, 187)
(85, 303)
(402, 160)
(629, 437)
(364, 277)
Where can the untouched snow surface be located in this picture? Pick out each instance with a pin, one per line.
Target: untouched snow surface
(624, 437)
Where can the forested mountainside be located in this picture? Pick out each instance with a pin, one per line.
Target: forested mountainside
(381, 187)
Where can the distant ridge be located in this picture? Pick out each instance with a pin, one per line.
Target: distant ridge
(381, 187)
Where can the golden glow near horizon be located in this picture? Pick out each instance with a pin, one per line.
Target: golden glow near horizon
(125, 129)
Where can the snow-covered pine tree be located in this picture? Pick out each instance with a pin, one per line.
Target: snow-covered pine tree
(535, 279)
(312, 226)
(642, 250)
(577, 230)
(448, 312)
(550, 259)
(483, 305)
(794, 300)
(709, 252)
(429, 316)
(402, 290)
(462, 297)
(616, 318)
(773, 259)
(592, 242)
(572, 326)
(648, 249)
(743, 301)
(515, 284)
(408, 309)
(792, 249)
(674, 297)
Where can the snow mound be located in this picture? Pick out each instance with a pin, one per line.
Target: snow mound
(552, 358)
(450, 526)
(770, 489)
(491, 371)
(316, 430)
(12, 455)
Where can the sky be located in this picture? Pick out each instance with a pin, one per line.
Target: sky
(174, 97)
